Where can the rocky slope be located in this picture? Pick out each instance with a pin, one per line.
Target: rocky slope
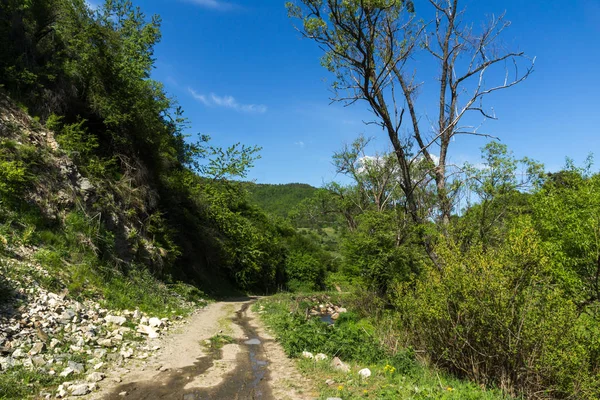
(50, 333)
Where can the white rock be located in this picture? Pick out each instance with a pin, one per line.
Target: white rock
(76, 367)
(113, 319)
(321, 357)
(37, 349)
(6, 362)
(27, 363)
(100, 353)
(38, 361)
(307, 354)
(123, 394)
(105, 342)
(95, 377)
(18, 353)
(127, 353)
(365, 372)
(155, 322)
(66, 372)
(98, 366)
(338, 364)
(79, 390)
(61, 392)
(147, 330)
(54, 343)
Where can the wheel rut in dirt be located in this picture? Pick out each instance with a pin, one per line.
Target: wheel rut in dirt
(248, 380)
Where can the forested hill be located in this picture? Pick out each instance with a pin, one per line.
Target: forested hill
(279, 199)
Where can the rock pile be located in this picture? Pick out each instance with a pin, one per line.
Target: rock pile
(53, 334)
(327, 308)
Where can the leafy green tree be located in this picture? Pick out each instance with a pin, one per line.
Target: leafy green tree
(567, 214)
(379, 252)
(504, 317)
(498, 185)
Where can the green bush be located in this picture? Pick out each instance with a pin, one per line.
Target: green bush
(350, 338)
(140, 289)
(12, 178)
(304, 272)
(373, 253)
(501, 317)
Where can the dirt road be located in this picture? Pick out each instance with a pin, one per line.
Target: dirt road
(252, 366)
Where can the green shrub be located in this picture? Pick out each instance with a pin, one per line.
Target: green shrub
(373, 253)
(188, 292)
(501, 317)
(12, 178)
(140, 289)
(350, 338)
(304, 272)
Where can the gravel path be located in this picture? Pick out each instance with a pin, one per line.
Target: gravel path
(252, 366)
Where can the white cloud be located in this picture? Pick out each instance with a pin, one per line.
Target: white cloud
(199, 97)
(213, 4)
(365, 162)
(227, 102)
(300, 143)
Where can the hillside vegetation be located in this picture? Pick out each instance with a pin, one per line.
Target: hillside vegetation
(114, 187)
(280, 199)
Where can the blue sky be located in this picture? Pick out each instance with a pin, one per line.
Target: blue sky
(243, 74)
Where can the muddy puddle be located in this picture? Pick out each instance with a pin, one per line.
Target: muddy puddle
(247, 380)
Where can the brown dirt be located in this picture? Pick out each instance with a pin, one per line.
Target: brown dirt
(254, 366)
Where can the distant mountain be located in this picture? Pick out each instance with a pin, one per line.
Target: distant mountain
(279, 199)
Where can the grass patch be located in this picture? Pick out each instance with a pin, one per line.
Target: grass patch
(355, 340)
(387, 382)
(218, 341)
(19, 383)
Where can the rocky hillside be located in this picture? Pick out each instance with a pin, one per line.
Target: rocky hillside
(58, 339)
(61, 316)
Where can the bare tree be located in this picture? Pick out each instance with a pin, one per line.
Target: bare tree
(463, 85)
(368, 45)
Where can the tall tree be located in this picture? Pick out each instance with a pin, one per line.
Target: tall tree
(368, 45)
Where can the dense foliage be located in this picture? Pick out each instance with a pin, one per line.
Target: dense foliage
(512, 299)
(357, 338)
(279, 200)
(145, 199)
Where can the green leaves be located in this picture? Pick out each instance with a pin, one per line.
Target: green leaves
(12, 177)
